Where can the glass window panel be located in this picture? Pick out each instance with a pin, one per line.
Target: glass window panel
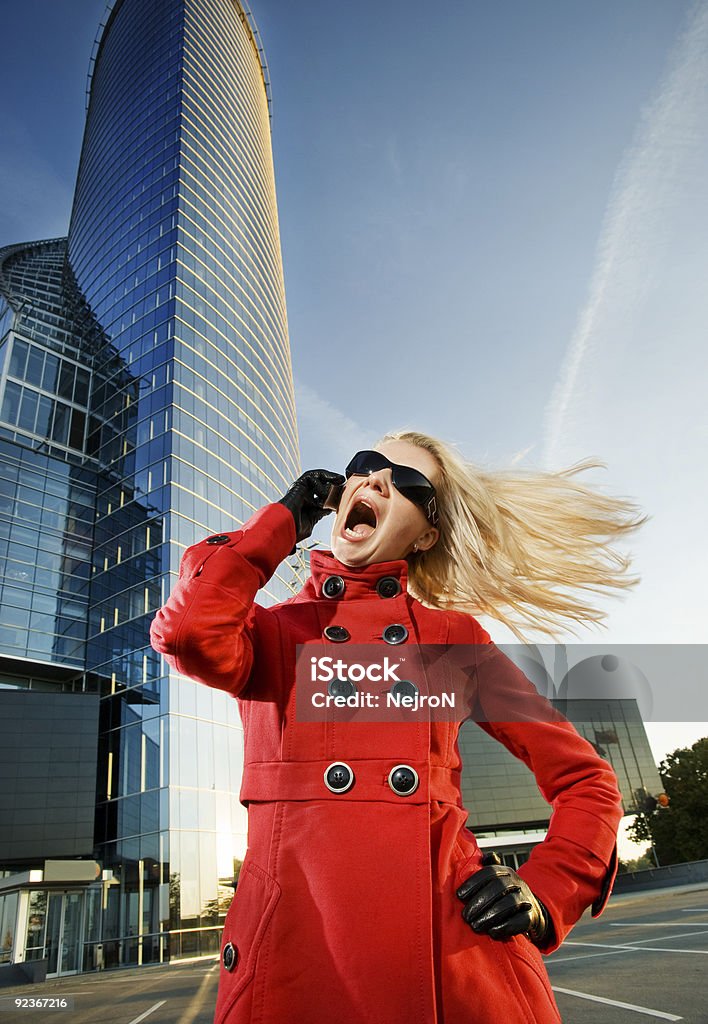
(51, 372)
(44, 415)
(78, 425)
(19, 358)
(60, 427)
(28, 409)
(66, 381)
(35, 366)
(11, 402)
(36, 921)
(82, 386)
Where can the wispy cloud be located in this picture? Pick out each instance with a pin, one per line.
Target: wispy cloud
(328, 436)
(648, 179)
(328, 439)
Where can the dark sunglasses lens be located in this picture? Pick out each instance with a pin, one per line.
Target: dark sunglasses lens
(364, 463)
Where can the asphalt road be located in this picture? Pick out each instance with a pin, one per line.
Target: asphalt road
(643, 961)
(180, 994)
(648, 951)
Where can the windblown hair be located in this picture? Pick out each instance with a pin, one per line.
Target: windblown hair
(524, 547)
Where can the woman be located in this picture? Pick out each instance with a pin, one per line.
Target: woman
(363, 899)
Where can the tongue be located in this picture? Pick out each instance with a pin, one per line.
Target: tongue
(362, 530)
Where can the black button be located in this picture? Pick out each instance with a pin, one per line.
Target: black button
(395, 634)
(339, 777)
(337, 634)
(388, 586)
(230, 956)
(220, 538)
(341, 688)
(404, 689)
(333, 586)
(403, 779)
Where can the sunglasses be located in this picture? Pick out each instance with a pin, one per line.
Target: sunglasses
(407, 481)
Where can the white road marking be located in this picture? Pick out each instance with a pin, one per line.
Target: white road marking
(615, 1002)
(696, 910)
(632, 947)
(665, 938)
(669, 949)
(600, 945)
(657, 924)
(147, 1013)
(590, 956)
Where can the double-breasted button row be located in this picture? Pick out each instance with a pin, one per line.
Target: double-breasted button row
(346, 688)
(402, 779)
(341, 688)
(229, 957)
(396, 633)
(339, 777)
(388, 586)
(333, 587)
(337, 634)
(405, 688)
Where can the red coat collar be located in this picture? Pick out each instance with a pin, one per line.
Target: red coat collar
(358, 582)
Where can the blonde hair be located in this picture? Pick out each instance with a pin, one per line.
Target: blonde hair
(523, 547)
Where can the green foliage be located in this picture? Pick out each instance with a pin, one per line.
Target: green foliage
(679, 832)
(639, 864)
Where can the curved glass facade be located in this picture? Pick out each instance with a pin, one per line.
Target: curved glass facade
(174, 246)
(47, 492)
(146, 402)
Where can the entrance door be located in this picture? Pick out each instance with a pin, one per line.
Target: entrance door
(63, 932)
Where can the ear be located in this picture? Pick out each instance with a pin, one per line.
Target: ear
(428, 539)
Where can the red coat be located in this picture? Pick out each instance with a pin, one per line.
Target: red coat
(345, 911)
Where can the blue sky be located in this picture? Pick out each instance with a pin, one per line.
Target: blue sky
(493, 220)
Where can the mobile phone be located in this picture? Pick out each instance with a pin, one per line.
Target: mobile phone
(334, 497)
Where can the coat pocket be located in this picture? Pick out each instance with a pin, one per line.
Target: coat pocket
(529, 971)
(246, 924)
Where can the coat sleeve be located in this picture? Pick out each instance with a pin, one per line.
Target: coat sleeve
(205, 628)
(575, 865)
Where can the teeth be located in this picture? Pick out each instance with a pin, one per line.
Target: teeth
(357, 533)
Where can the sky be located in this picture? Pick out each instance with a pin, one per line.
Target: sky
(494, 228)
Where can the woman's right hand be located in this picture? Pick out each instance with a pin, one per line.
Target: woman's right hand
(306, 499)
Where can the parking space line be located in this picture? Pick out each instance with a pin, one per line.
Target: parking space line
(615, 1002)
(656, 924)
(665, 938)
(610, 951)
(669, 949)
(601, 945)
(136, 1020)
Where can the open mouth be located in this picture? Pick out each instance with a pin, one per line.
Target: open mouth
(360, 522)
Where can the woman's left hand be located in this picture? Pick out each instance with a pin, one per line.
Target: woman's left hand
(499, 903)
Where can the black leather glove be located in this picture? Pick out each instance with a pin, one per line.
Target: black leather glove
(306, 499)
(499, 903)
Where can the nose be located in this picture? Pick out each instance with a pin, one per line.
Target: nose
(380, 481)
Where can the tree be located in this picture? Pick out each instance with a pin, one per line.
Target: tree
(638, 864)
(679, 832)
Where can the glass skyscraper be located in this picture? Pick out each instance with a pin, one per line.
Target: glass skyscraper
(146, 400)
